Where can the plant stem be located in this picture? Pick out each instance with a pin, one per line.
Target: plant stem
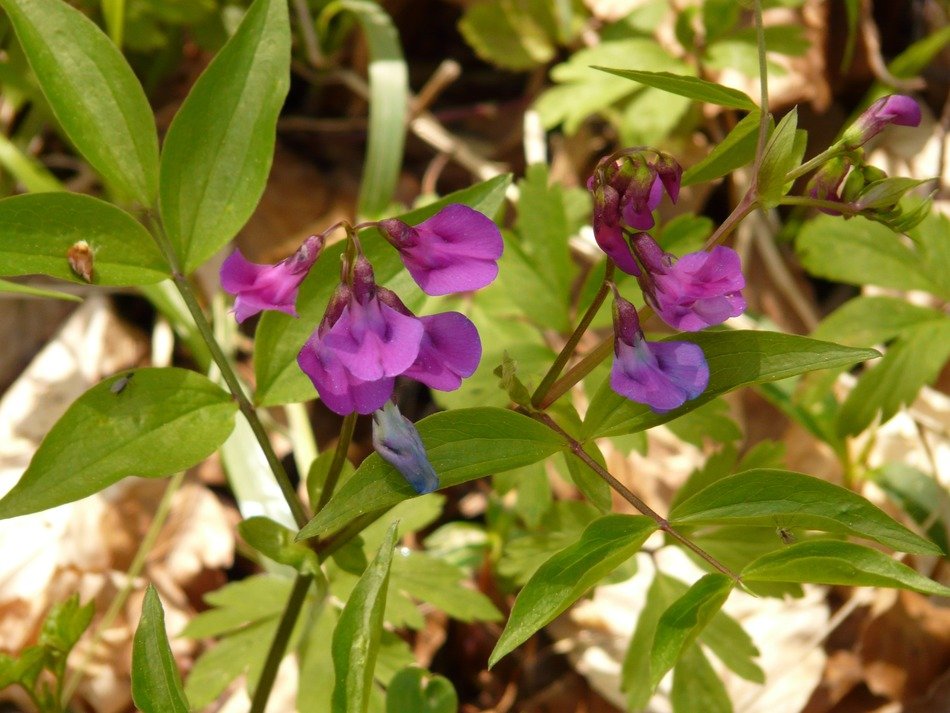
(845, 208)
(278, 646)
(763, 92)
(813, 163)
(568, 350)
(134, 570)
(339, 458)
(577, 449)
(234, 385)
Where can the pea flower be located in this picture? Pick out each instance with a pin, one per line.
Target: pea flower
(259, 287)
(699, 290)
(893, 109)
(398, 443)
(368, 337)
(455, 250)
(662, 375)
(627, 188)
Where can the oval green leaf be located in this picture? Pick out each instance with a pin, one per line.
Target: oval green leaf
(150, 423)
(93, 93)
(156, 683)
(735, 359)
(462, 445)
(415, 689)
(769, 497)
(218, 149)
(357, 634)
(845, 563)
(38, 229)
(280, 337)
(604, 545)
(679, 625)
(686, 86)
(734, 151)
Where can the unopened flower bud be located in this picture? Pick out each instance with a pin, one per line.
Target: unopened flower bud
(398, 443)
(894, 109)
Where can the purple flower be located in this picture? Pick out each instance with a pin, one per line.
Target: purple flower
(398, 443)
(450, 351)
(627, 188)
(259, 287)
(361, 345)
(455, 250)
(699, 290)
(662, 375)
(894, 109)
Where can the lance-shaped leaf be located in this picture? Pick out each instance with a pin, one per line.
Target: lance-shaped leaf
(603, 546)
(156, 683)
(735, 359)
(763, 496)
(686, 86)
(462, 445)
(679, 625)
(280, 337)
(92, 91)
(219, 148)
(38, 230)
(734, 151)
(357, 634)
(831, 562)
(149, 423)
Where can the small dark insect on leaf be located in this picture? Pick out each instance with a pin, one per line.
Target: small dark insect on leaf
(119, 385)
(785, 534)
(80, 259)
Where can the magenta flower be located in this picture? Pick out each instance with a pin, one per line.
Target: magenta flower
(450, 351)
(361, 345)
(260, 287)
(662, 375)
(699, 290)
(627, 188)
(397, 441)
(455, 250)
(894, 109)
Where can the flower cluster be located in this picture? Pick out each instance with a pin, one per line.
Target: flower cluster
(866, 190)
(699, 290)
(367, 336)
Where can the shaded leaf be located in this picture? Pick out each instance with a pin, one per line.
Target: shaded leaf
(692, 87)
(156, 683)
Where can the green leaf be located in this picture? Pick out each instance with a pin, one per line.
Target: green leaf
(92, 91)
(512, 35)
(462, 445)
(845, 563)
(861, 252)
(26, 169)
(23, 669)
(679, 625)
(781, 155)
(603, 546)
(357, 634)
(866, 321)
(758, 497)
(919, 495)
(65, 624)
(708, 422)
(261, 596)
(162, 422)
(696, 686)
(735, 359)
(280, 337)
(388, 103)
(37, 231)
(15, 288)
(734, 151)
(415, 689)
(692, 87)
(219, 147)
(156, 683)
(275, 541)
(431, 580)
(915, 359)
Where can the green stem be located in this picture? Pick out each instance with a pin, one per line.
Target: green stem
(577, 449)
(814, 162)
(845, 208)
(278, 646)
(134, 570)
(230, 378)
(763, 91)
(577, 372)
(568, 350)
(339, 458)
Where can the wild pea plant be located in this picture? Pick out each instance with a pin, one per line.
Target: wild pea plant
(366, 303)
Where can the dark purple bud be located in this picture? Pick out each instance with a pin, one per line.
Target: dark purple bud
(670, 173)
